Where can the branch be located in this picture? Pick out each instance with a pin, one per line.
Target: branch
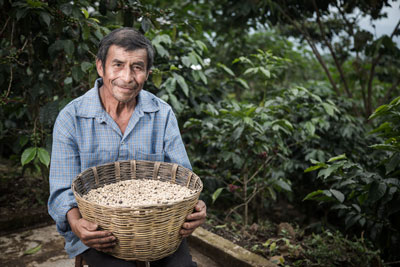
(313, 47)
(260, 168)
(372, 73)
(9, 84)
(255, 192)
(328, 44)
(5, 25)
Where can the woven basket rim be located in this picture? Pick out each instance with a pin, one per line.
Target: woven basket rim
(196, 194)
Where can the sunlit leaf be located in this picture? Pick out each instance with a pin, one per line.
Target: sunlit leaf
(33, 250)
(43, 156)
(216, 194)
(28, 155)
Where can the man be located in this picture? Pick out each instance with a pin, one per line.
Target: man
(115, 120)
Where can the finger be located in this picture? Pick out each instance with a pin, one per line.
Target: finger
(192, 224)
(197, 215)
(103, 245)
(107, 241)
(90, 226)
(185, 233)
(200, 205)
(97, 235)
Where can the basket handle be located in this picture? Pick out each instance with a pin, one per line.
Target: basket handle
(96, 175)
(156, 168)
(117, 171)
(173, 172)
(133, 169)
(189, 179)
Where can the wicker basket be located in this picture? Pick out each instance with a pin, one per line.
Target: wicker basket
(144, 233)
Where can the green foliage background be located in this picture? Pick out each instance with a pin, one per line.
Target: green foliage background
(265, 119)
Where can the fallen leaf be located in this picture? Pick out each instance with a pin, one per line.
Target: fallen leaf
(33, 250)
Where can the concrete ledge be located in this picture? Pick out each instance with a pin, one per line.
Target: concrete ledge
(225, 252)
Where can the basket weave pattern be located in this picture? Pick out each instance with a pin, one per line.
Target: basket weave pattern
(144, 233)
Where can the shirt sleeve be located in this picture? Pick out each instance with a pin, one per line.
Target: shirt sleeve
(174, 149)
(64, 167)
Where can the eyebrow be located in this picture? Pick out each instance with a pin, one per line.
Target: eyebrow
(140, 63)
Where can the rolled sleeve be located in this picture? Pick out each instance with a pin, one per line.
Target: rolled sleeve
(174, 148)
(64, 167)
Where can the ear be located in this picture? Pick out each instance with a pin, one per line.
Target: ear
(99, 67)
(148, 73)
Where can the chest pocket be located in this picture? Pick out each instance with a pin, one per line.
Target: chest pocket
(89, 159)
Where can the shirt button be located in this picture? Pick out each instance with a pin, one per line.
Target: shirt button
(122, 143)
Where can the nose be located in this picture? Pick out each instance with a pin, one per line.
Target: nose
(127, 75)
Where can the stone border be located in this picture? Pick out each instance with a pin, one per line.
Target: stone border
(225, 252)
(220, 250)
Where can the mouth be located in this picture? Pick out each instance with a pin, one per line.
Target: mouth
(125, 87)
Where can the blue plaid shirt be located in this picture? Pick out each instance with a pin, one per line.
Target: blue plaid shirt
(85, 135)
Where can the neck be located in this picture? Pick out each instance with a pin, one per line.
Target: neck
(120, 112)
(115, 107)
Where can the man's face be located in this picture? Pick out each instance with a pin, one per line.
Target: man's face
(125, 73)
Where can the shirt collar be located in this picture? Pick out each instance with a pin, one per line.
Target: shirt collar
(91, 105)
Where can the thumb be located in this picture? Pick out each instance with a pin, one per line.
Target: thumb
(199, 206)
(90, 225)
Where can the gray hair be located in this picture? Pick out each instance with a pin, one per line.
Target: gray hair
(127, 38)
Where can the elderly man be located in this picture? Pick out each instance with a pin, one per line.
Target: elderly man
(115, 120)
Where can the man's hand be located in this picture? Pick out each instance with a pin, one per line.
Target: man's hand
(195, 219)
(87, 232)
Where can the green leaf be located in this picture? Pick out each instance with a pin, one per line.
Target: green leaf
(156, 78)
(338, 195)
(265, 72)
(237, 133)
(250, 71)
(313, 168)
(67, 81)
(201, 45)
(45, 17)
(378, 111)
(44, 156)
(377, 191)
(161, 50)
(85, 12)
(85, 66)
(313, 194)
(328, 108)
(202, 77)
(342, 156)
(33, 250)
(28, 155)
(226, 69)
(242, 82)
(85, 31)
(186, 61)
(326, 172)
(216, 194)
(66, 9)
(146, 24)
(182, 83)
(393, 163)
(170, 85)
(68, 47)
(310, 127)
(77, 73)
(175, 103)
(283, 185)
